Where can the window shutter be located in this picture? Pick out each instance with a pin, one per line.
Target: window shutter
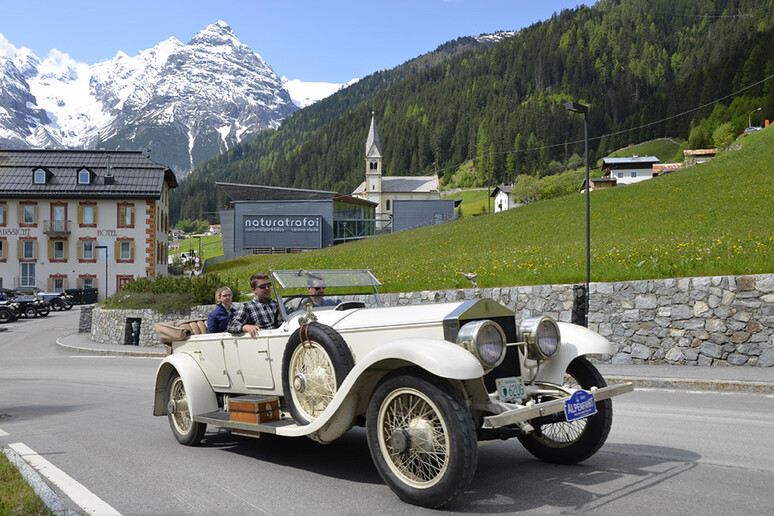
(121, 216)
(35, 214)
(20, 213)
(131, 222)
(117, 249)
(80, 250)
(131, 250)
(94, 214)
(65, 285)
(19, 249)
(80, 214)
(95, 282)
(66, 245)
(35, 249)
(79, 283)
(50, 250)
(50, 284)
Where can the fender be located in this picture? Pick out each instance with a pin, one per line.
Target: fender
(439, 357)
(576, 341)
(201, 397)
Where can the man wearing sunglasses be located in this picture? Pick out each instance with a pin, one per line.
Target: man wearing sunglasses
(259, 312)
(316, 289)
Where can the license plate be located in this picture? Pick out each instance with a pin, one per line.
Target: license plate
(581, 404)
(511, 388)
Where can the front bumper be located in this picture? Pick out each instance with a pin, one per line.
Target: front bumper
(547, 408)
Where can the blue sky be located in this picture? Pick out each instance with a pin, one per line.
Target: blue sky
(311, 40)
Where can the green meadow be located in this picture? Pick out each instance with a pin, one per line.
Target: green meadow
(712, 219)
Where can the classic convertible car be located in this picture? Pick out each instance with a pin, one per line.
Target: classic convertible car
(427, 381)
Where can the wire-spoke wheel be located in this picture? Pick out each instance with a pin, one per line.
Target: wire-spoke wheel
(422, 439)
(570, 442)
(184, 428)
(315, 362)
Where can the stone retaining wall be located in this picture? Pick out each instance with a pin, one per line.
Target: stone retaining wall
(707, 321)
(114, 326)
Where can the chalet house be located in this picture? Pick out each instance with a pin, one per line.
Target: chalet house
(502, 198)
(698, 156)
(626, 171)
(385, 190)
(82, 219)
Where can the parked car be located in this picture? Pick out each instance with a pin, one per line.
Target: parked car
(9, 311)
(426, 381)
(29, 304)
(56, 300)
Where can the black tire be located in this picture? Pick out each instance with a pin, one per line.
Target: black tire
(564, 442)
(422, 438)
(315, 362)
(30, 312)
(44, 312)
(56, 304)
(185, 430)
(6, 316)
(67, 305)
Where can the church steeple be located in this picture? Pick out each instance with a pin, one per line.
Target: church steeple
(373, 159)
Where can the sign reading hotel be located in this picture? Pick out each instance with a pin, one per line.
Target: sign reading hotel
(296, 231)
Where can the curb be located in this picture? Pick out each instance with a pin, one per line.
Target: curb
(49, 498)
(695, 384)
(160, 353)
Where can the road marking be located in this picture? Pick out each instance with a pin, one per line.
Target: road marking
(2, 433)
(85, 499)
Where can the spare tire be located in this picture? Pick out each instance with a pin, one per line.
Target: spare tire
(315, 362)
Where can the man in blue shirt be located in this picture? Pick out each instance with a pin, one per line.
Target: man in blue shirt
(316, 289)
(258, 313)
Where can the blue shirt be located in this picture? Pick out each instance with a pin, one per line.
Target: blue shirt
(217, 321)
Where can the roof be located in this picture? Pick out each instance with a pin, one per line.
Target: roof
(240, 192)
(373, 143)
(506, 189)
(134, 175)
(405, 184)
(700, 152)
(629, 161)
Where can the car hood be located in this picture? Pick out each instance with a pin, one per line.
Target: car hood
(369, 318)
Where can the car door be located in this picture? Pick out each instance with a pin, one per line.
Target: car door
(249, 360)
(211, 355)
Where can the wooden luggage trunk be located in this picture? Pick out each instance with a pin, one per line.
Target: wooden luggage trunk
(254, 409)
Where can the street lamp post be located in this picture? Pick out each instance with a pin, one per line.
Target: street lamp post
(749, 117)
(107, 281)
(575, 107)
(199, 256)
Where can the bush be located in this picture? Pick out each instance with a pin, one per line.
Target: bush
(168, 293)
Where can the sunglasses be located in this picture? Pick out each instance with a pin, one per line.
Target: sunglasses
(319, 288)
(265, 285)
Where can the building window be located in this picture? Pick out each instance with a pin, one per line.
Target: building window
(125, 215)
(634, 174)
(88, 249)
(87, 282)
(2, 249)
(124, 251)
(389, 205)
(28, 214)
(59, 249)
(39, 177)
(57, 283)
(620, 174)
(87, 214)
(59, 218)
(27, 275)
(84, 177)
(122, 281)
(373, 165)
(2, 213)
(28, 249)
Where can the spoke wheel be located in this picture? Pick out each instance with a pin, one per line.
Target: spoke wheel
(184, 428)
(570, 442)
(315, 363)
(422, 439)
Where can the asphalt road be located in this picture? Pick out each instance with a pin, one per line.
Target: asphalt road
(669, 452)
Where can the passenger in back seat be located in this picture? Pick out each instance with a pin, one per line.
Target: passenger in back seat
(219, 318)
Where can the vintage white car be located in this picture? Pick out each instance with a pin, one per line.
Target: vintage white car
(427, 381)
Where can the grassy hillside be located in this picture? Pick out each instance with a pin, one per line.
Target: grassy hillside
(665, 149)
(712, 219)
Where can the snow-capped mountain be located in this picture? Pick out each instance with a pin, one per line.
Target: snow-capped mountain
(307, 93)
(186, 102)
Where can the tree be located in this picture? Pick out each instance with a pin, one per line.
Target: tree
(526, 190)
(724, 135)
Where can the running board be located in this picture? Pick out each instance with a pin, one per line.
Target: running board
(222, 418)
(550, 407)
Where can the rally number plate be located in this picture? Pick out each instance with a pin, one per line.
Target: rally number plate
(581, 404)
(511, 388)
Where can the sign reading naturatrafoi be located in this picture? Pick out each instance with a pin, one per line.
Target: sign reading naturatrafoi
(299, 231)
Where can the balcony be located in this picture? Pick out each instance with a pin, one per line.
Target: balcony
(57, 227)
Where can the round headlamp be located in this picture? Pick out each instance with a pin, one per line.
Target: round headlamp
(542, 337)
(486, 340)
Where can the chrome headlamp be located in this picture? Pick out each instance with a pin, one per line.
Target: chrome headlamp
(486, 340)
(542, 337)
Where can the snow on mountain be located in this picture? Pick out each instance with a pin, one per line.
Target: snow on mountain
(186, 102)
(306, 93)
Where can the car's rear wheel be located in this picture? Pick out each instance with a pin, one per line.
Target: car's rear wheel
(44, 311)
(315, 363)
(30, 312)
(422, 439)
(67, 304)
(570, 442)
(6, 316)
(56, 304)
(184, 428)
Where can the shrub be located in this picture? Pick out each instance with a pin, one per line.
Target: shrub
(168, 293)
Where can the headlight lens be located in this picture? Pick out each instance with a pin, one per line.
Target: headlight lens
(542, 337)
(486, 340)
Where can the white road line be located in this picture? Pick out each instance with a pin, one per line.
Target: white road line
(3, 433)
(85, 499)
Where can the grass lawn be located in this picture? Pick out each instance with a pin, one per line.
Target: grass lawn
(711, 219)
(474, 202)
(212, 245)
(16, 496)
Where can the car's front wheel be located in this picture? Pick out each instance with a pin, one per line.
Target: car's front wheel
(315, 362)
(6, 316)
(185, 429)
(422, 439)
(570, 442)
(30, 312)
(56, 304)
